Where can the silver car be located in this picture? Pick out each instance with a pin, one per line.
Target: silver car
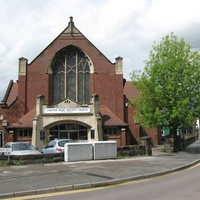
(56, 145)
(20, 148)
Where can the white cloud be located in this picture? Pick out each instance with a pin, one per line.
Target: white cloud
(117, 28)
(2, 50)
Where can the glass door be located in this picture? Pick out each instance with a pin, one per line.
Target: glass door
(69, 131)
(73, 135)
(64, 135)
(68, 135)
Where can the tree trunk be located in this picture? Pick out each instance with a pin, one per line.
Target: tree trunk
(183, 141)
(175, 145)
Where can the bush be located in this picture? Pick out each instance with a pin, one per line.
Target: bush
(10, 162)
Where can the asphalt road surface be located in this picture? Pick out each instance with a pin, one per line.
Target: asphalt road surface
(182, 185)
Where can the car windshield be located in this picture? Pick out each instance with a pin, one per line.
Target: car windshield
(51, 144)
(22, 147)
(62, 143)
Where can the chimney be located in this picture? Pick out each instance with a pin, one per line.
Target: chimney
(119, 65)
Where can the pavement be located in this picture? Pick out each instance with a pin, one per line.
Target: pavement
(16, 181)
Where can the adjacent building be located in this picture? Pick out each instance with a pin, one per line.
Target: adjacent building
(71, 90)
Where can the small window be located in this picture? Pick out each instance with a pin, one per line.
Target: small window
(25, 133)
(92, 134)
(51, 144)
(21, 133)
(111, 131)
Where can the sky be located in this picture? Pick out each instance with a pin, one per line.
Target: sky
(125, 28)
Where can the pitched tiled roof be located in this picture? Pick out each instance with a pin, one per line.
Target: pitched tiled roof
(129, 91)
(25, 121)
(109, 118)
(11, 94)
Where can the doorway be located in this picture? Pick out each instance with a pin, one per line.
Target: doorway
(69, 135)
(1, 138)
(69, 131)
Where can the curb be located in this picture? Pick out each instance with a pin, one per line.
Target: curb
(95, 184)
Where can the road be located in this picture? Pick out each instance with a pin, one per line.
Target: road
(183, 185)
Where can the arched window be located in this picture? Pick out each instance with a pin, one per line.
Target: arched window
(71, 76)
(69, 131)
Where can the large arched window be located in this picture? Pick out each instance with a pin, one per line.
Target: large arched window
(71, 76)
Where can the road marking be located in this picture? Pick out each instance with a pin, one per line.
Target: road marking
(37, 196)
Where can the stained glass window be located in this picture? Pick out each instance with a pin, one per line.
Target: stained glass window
(71, 76)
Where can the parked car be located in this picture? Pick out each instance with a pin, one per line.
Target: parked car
(56, 145)
(21, 148)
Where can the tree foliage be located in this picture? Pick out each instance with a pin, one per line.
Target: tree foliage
(169, 86)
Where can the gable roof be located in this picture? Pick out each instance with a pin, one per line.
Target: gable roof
(11, 94)
(26, 121)
(109, 118)
(71, 30)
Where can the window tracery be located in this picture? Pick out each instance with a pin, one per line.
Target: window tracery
(71, 76)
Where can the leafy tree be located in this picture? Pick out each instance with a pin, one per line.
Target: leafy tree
(169, 86)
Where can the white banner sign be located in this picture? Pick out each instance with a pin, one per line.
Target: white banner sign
(66, 110)
(5, 149)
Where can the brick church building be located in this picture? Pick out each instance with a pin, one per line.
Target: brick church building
(70, 90)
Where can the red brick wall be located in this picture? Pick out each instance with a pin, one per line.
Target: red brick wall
(136, 131)
(155, 135)
(104, 82)
(117, 138)
(133, 133)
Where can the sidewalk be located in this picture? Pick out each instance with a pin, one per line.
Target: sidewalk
(37, 179)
